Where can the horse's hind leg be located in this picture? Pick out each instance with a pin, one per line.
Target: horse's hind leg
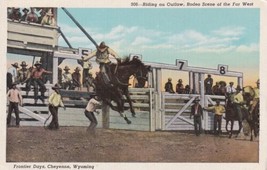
(130, 103)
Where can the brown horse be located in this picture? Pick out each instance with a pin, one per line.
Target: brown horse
(231, 116)
(120, 75)
(254, 115)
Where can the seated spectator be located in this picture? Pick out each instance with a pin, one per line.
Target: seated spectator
(32, 16)
(180, 87)
(42, 14)
(168, 86)
(216, 89)
(25, 13)
(15, 14)
(187, 89)
(48, 19)
(76, 77)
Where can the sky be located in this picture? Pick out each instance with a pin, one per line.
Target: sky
(203, 37)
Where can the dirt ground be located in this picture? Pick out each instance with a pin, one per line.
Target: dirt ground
(75, 144)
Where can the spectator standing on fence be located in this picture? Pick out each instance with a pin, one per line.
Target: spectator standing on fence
(25, 14)
(14, 14)
(230, 89)
(37, 80)
(76, 78)
(208, 82)
(23, 72)
(15, 99)
(55, 101)
(218, 111)
(42, 14)
(168, 86)
(32, 16)
(89, 113)
(12, 74)
(197, 112)
(180, 87)
(67, 79)
(87, 66)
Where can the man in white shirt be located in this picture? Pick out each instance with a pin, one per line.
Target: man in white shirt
(15, 99)
(12, 74)
(89, 113)
(230, 89)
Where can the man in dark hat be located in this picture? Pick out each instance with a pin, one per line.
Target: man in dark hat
(66, 78)
(25, 13)
(89, 113)
(55, 101)
(168, 86)
(76, 78)
(23, 72)
(37, 80)
(218, 111)
(15, 99)
(102, 58)
(208, 82)
(180, 87)
(197, 112)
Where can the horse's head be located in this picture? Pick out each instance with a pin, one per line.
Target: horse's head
(141, 73)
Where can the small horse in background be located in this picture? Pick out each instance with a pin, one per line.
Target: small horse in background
(120, 78)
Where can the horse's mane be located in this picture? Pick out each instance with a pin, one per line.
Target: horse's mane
(135, 61)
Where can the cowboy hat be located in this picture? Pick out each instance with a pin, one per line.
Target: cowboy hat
(23, 63)
(218, 101)
(66, 68)
(180, 80)
(37, 63)
(231, 82)
(102, 47)
(25, 9)
(56, 86)
(15, 65)
(77, 69)
(169, 79)
(49, 12)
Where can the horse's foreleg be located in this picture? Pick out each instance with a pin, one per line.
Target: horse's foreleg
(232, 126)
(130, 102)
(240, 127)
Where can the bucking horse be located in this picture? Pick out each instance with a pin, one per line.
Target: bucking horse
(231, 114)
(120, 75)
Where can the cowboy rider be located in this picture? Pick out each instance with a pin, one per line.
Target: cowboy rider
(256, 97)
(238, 101)
(102, 57)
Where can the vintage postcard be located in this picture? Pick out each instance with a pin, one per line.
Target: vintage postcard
(133, 85)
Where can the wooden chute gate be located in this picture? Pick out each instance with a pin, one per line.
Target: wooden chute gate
(172, 111)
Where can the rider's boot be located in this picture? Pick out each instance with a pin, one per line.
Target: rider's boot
(106, 80)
